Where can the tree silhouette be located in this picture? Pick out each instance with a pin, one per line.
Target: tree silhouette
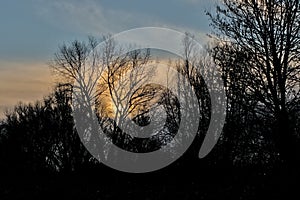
(258, 50)
(42, 137)
(107, 77)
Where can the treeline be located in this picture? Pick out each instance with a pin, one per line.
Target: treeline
(42, 137)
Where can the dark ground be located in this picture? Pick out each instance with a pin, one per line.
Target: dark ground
(174, 182)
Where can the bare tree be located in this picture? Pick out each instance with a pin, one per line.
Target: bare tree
(259, 52)
(106, 77)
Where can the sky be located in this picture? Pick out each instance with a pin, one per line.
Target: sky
(32, 30)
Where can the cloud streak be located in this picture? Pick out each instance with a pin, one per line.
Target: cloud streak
(92, 17)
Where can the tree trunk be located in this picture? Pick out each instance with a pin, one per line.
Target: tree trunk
(285, 140)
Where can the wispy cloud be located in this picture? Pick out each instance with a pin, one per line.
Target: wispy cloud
(91, 17)
(88, 16)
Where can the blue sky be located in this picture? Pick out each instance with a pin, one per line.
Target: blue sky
(32, 30)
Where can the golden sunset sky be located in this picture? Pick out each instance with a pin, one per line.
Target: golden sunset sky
(25, 81)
